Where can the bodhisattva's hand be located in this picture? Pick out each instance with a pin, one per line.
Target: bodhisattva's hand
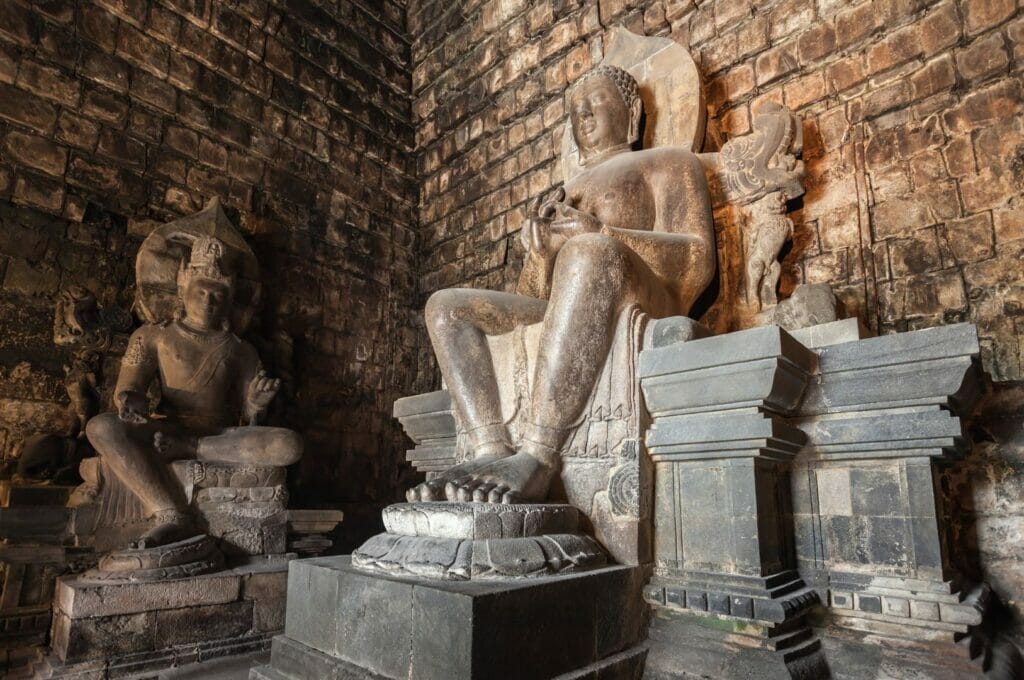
(132, 407)
(261, 391)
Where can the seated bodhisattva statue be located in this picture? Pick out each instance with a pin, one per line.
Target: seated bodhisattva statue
(632, 228)
(210, 383)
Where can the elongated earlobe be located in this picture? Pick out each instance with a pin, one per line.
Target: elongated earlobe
(635, 112)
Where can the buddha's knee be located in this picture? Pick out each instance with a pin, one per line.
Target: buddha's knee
(283, 446)
(107, 433)
(446, 308)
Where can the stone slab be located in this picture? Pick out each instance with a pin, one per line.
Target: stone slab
(406, 627)
(121, 623)
(832, 333)
(79, 600)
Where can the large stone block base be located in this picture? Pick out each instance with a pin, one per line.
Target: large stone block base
(344, 623)
(683, 645)
(132, 630)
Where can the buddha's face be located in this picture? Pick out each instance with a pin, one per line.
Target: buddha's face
(207, 303)
(599, 116)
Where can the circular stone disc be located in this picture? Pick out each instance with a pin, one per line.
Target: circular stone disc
(670, 87)
(161, 254)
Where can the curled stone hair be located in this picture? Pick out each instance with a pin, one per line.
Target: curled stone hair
(624, 81)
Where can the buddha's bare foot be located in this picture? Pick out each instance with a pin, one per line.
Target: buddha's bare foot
(172, 446)
(515, 479)
(171, 527)
(434, 489)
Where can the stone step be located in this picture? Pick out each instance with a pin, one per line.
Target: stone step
(790, 640)
(805, 648)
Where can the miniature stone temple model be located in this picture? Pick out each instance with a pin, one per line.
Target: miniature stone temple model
(212, 394)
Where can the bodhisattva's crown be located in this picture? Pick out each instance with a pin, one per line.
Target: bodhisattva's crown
(205, 262)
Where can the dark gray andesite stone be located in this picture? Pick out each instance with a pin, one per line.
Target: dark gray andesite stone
(392, 627)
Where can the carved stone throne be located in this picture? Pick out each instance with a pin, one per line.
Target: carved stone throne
(243, 507)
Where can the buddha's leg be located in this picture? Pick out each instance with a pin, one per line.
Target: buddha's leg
(595, 277)
(251, 445)
(128, 453)
(459, 321)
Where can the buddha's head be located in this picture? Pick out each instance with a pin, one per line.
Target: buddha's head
(204, 288)
(604, 110)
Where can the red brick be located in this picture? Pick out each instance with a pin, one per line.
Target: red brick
(105, 69)
(846, 73)
(789, 16)
(937, 75)
(971, 239)
(39, 192)
(133, 11)
(1000, 101)
(48, 82)
(35, 152)
(77, 131)
(959, 156)
(117, 146)
(984, 14)
(983, 57)
(97, 25)
(729, 12)
(18, 23)
(775, 63)
(855, 24)
(21, 107)
(144, 51)
(752, 37)
(939, 29)
(886, 99)
(154, 91)
(817, 42)
(805, 90)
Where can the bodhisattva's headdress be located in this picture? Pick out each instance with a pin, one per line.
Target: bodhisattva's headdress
(206, 262)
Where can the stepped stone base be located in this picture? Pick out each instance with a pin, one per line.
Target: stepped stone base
(132, 629)
(345, 623)
(683, 645)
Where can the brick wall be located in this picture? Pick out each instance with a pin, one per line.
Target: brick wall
(914, 147)
(116, 115)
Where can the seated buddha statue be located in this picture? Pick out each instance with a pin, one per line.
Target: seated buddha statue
(633, 228)
(213, 393)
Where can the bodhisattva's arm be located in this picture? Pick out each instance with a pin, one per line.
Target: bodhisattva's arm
(681, 242)
(138, 368)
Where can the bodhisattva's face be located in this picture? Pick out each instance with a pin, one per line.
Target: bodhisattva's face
(599, 116)
(207, 303)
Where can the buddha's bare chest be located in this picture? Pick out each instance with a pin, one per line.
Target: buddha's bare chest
(620, 197)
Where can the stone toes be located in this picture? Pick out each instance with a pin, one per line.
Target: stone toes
(465, 493)
(451, 489)
(510, 497)
(480, 493)
(412, 495)
(495, 495)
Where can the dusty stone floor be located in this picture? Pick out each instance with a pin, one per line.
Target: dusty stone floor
(229, 668)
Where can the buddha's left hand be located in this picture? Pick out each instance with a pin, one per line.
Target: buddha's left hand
(261, 391)
(570, 222)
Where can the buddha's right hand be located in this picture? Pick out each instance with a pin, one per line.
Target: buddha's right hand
(132, 407)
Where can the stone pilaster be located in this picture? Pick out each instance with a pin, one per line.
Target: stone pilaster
(724, 554)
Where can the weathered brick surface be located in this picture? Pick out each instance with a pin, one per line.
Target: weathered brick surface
(898, 98)
(296, 113)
